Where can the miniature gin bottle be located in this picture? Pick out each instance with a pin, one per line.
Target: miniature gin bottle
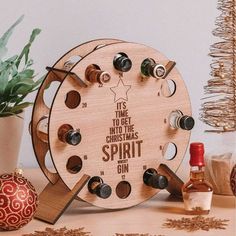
(197, 192)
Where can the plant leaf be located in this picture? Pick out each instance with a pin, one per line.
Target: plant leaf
(3, 65)
(15, 84)
(20, 107)
(10, 86)
(26, 49)
(12, 59)
(3, 81)
(2, 107)
(16, 99)
(4, 39)
(29, 63)
(33, 35)
(27, 86)
(27, 73)
(20, 99)
(24, 89)
(4, 114)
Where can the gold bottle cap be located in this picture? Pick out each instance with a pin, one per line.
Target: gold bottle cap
(18, 171)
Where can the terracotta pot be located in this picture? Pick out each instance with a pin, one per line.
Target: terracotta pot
(11, 129)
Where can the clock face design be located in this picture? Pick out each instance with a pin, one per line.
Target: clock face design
(123, 123)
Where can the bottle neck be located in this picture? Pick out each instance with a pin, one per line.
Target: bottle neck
(197, 173)
(174, 118)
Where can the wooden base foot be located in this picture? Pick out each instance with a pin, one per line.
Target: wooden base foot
(55, 198)
(175, 183)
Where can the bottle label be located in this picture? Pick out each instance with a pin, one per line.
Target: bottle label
(197, 201)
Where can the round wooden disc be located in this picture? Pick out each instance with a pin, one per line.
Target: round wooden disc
(40, 109)
(124, 125)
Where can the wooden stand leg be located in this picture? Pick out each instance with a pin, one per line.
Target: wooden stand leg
(55, 198)
(175, 183)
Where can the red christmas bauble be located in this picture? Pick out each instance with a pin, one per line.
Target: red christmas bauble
(18, 201)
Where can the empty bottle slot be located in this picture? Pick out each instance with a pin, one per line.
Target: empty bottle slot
(74, 164)
(169, 151)
(168, 88)
(123, 189)
(71, 62)
(73, 99)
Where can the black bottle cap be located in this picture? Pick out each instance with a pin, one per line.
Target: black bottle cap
(158, 181)
(154, 180)
(103, 191)
(122, 63)
(186, 122)
(73, 137)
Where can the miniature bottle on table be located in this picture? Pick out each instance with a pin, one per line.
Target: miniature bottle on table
(197, 192)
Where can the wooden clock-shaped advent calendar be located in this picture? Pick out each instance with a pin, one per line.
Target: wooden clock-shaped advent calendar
(117, 128)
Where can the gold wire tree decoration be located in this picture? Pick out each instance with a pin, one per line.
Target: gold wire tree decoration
(219, 108)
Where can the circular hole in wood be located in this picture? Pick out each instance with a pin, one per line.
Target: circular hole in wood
(49, 93)
(73, 99)
(168, 88)
(74, 164)
(169, 151)
(49, 164)
(123, 189)
(71, 62)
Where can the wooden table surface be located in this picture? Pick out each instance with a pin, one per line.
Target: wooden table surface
(147, 217)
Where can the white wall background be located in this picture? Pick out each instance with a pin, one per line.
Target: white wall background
(179, 29)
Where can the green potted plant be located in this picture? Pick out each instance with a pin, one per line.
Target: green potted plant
(17, 80)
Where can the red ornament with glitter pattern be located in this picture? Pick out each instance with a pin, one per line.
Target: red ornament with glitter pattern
(18, 201)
